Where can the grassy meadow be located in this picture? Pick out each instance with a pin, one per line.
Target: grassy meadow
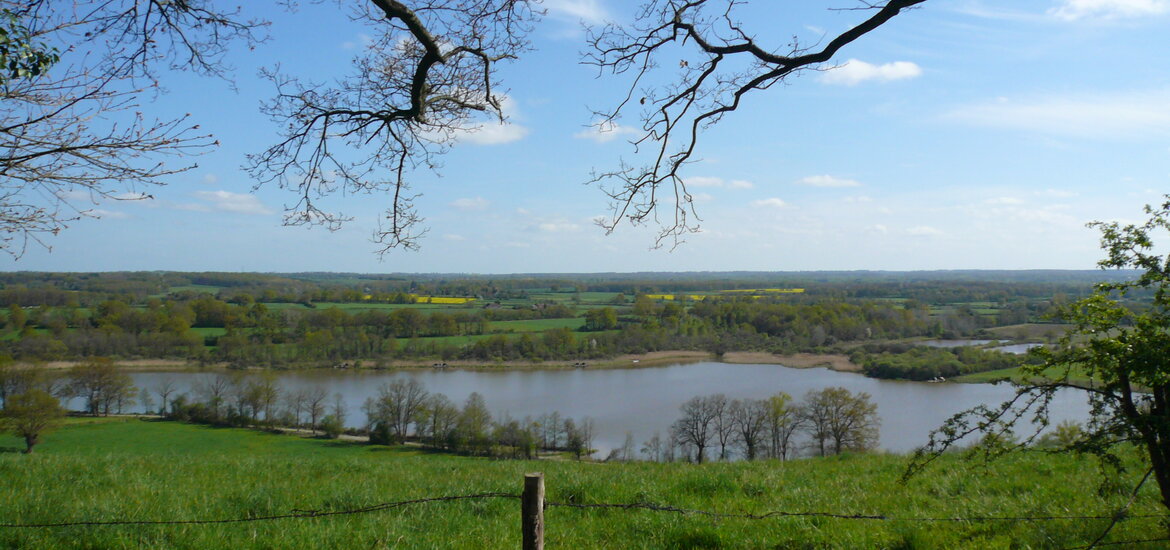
(130, 469)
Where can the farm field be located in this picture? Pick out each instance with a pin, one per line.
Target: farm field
(319, 320)
(129, 469)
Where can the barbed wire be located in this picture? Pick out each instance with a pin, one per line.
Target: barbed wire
(309, 514)
(1117, 543)
(294, 514)
(836, 515)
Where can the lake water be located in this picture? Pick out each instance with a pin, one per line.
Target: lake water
(645, 400)
(1018, 349)
(953, 343)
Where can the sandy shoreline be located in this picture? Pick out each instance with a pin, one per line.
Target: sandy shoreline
(653, 359)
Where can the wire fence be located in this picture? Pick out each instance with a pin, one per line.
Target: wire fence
(631, 506)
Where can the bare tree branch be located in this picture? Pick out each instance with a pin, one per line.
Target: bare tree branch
(429, 75)
(76, 134)
(721, 64)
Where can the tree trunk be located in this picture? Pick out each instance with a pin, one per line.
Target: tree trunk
(30, 440)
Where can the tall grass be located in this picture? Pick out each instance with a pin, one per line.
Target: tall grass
(140, 470)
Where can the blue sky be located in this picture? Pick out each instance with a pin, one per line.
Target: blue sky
(962, 135)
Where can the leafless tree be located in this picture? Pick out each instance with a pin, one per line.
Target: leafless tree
(398, 406)
(74, 132)
(696, 427)
(315, 404)
(723, 423)
(337, 409)
(718, 61)
(749, 418)
(165, 388)
(213, 390)
(439, 417)
(428, 75)
(295, 403)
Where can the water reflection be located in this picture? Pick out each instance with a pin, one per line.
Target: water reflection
(643, 401)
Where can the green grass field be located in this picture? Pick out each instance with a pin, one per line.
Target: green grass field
(535, 325)
(1029, 331)
(1013, 374)
(358, 307)
(110, 470)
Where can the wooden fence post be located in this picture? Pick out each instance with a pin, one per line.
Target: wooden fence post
(532, 511)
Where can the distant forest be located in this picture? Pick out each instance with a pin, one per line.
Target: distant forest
(327, 319)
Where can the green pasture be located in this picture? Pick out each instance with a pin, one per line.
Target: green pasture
(535, 325)
(1016, 374)
(137, 470)
(210, 289)
(570, 298)
(359, 307)
(1029, 331)
(209, 331)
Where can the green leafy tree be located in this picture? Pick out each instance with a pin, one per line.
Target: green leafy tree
(839, 420)
(20, 55)
(102, 386)
(1116, 353)
(30, 414)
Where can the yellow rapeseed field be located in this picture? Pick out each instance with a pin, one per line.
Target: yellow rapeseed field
(452, 300)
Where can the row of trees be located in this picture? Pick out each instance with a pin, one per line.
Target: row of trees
(925, 363)
(833, 420)
(255, 334)
(405, 411)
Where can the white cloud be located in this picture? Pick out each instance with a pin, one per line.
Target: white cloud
(1072, 10)
(702, 197)
(557, 227)
(554, 226)
(191, 207)
(363, 39)
(74, 195)
(828, 181)
(210, 179)
(587, 11)
(1108, 116)
(854, 72)
(707, 181)
(494, 132)
(998, 13)
(703, 181)
(1004, 201)
(923, 231)
(606, 131)
(107, 214)
(772, 202)
(471, 204)
(237, 203)
(454, 237)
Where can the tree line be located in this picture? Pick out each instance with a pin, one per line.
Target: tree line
(254, 334)
(826, 422)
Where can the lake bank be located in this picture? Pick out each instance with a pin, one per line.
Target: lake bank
(642, 401)
(837, 362)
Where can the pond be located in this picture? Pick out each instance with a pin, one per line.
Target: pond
(643, 401)
(954, 343)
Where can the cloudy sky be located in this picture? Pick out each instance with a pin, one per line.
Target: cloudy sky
(968, 134)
